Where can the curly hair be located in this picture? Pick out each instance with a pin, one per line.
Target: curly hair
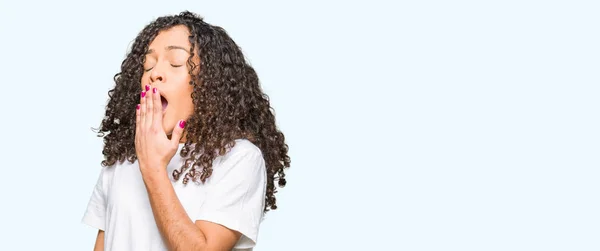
(229, 104)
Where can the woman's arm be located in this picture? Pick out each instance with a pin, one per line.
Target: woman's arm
(179, 231)
(99, 241)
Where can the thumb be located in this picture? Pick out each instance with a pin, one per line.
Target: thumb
(177, 132)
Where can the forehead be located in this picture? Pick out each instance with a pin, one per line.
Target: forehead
(177, 36)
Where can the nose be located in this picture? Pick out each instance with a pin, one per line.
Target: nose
(157, 75)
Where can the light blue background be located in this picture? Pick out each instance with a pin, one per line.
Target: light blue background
(415, 125)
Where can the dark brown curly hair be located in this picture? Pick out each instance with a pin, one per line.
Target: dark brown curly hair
(229, 104)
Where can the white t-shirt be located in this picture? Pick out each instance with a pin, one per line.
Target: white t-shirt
(233, 196)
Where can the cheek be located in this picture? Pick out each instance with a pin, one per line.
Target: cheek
(144, 81)
(185, 100)
(184, 95)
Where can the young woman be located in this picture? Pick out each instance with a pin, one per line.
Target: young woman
(192, 152)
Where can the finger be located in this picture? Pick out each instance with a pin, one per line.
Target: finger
(142, 111)
(149, 108)
(157, 116)
(137, 121)
(177, 133)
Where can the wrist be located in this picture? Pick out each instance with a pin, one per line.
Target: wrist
(153, 170)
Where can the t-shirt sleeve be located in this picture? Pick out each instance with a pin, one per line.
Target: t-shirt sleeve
(236, 194)
(95, 213)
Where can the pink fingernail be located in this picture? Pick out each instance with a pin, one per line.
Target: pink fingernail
(137, 107)
(147, 87)
(154, 90)
(182, 123)
(143, 94)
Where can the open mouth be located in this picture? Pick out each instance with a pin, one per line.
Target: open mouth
(164, 102)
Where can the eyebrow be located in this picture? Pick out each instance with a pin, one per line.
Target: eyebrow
(168, 48)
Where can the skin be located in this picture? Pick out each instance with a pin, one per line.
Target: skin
(165, 69)
(99, 241)
(154, 147)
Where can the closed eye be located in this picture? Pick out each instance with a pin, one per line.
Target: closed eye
(149, 69)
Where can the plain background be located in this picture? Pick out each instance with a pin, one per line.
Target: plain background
(412, 125)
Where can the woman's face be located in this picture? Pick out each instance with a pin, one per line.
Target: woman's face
(166, 69)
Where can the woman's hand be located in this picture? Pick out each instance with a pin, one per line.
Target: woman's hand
(153, 148)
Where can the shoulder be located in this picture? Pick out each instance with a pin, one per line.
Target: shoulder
(108, 173)
(244, 157)
(243, 147)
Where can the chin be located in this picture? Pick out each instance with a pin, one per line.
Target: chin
(168, 128)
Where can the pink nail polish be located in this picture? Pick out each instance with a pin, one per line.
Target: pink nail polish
(137, 107)
(182, 123)
(154, 90)
(143, 94)
(147, 87)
